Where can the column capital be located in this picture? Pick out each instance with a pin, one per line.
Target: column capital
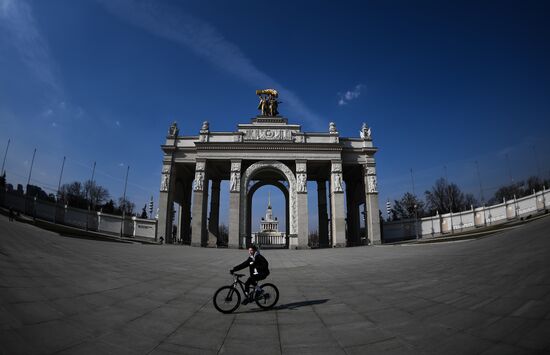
(200, 164)
(301, 165)
(236, 165)
(369, 169)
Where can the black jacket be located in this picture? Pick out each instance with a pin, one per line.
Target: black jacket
(259, 263)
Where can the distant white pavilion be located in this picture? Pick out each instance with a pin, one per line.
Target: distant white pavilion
(269, 235)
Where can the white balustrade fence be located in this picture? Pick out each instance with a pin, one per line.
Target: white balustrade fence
(79, 218)
(457, 222)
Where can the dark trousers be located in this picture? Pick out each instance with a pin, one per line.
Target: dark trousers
(253, 281)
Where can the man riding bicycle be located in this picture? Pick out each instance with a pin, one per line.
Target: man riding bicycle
(259, 270)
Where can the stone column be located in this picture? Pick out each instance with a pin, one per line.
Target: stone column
(353, 198)
(185, 231)
(371, 204)
(178, 219)
(235, 205)
(301, 203)
(213, 220)
(338, 220)
(349, 213)
(323, 215)
(200, 198)
(166, 199)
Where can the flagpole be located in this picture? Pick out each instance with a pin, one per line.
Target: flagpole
(30, 171)
(124, 203)
(60, 176)
(89, 195)
(5, 155)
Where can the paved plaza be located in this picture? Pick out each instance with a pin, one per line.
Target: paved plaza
(67, 295)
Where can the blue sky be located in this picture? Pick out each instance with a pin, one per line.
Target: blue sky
(442, 84)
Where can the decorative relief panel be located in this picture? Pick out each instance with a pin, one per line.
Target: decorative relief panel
(299, 138)
(337, 182)
(235, 185)
(235, 181)
(165, 178)
(371, 180)
(301, 185)
(198, 184)
(164, 182)
(267, 135)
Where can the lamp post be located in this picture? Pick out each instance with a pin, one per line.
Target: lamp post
(480, 186)
(28, 182)
(58, 190)
(450, 198)
(89, 195)
(30, 171)
(124, 203)
(415, 207)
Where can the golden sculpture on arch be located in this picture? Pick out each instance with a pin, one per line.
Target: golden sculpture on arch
(268, 102)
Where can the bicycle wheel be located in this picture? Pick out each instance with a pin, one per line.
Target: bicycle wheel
(227, 299)
(269, 296)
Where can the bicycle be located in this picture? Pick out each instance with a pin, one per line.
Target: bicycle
(228, 298)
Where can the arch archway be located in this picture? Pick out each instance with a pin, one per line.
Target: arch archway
(250, 195)
(283, 171)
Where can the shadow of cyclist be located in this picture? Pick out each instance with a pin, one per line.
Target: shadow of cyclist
(292, 306)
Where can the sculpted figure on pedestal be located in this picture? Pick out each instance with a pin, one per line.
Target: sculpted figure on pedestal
(268, 104)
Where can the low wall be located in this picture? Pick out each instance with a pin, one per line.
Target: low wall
(450, 223)
(79, 218)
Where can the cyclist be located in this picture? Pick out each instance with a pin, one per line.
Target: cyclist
(259, 270)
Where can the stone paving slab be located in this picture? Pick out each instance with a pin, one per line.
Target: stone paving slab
(68, 295)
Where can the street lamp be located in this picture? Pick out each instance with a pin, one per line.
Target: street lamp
(124, 203)
(416, 220)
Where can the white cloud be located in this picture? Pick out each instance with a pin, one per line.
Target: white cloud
(117, 123)
(345, 98)
(205, 41)
(63, 112)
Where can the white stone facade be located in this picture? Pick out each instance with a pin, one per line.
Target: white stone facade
(269, 150)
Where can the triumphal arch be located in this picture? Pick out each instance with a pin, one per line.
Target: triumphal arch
(269, 151)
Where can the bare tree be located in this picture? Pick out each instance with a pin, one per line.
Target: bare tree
(409, 206)
(126, 206)
(73, 194)
(97, 194)
(447, 197)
